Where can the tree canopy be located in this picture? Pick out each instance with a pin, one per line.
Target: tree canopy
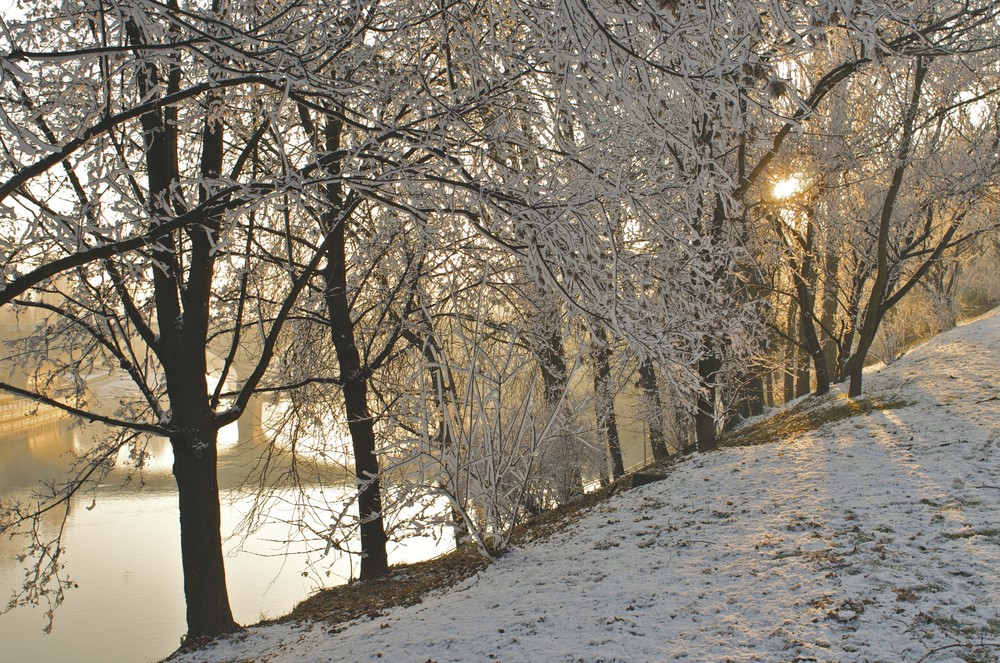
(425, 220)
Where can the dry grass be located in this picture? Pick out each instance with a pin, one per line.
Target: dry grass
(405, 585)
(805, 417)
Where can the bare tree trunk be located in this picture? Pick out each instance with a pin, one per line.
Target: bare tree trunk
(651, 391)
(753, 401)
(845, 351)
(353, 376)
(354, 382)
(805, 288)
(546, 342)
(791, 354)
(769, 389)
(711, 362)
(205, 593)
(195, 454)
(875, 310)
(553, 367)
(831, 290)
(182, 313)
(705, 420)
(802, 375)
(605, 403)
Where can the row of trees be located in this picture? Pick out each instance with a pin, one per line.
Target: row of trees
(459, 227)
(875, 209)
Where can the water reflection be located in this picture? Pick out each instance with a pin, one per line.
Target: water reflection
(34, 452)
(124, 551)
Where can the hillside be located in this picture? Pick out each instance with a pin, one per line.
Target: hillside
(870, 534)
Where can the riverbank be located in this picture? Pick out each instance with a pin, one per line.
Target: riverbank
(841, 530)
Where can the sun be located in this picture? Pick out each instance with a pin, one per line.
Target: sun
(787, 187)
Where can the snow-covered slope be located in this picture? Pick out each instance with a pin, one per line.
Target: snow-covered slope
(874, 538)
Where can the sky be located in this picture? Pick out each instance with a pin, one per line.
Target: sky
(8, 9)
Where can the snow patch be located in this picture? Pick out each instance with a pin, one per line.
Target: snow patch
(872, 538)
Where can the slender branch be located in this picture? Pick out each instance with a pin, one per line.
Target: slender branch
(219, 202)
(270, 342)
(84, 414)
(56, 157)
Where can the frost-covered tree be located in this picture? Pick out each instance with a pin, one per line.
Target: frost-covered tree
(947, 155)
(877, 215)
(415, 203)
(143, 170)
(156, 188)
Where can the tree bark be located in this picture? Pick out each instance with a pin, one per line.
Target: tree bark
(802, 376)
(354, 383)
(711, 362)
(205, 593)
(605, 404)
(753, 401)
(845, 351)
(831, 290)
(545, 338)
(875, 310)
(805, 286)
(704, 421)
(657, 429)
(553, 367)
(791, 353)
(182, 314)
(353, 376)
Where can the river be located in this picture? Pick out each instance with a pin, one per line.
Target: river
(123, 553)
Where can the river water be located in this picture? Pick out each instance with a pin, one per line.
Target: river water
(123, 552)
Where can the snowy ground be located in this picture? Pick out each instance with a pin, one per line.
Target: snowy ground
(874, 538)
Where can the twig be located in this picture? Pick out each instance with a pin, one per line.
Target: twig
(968, 645)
